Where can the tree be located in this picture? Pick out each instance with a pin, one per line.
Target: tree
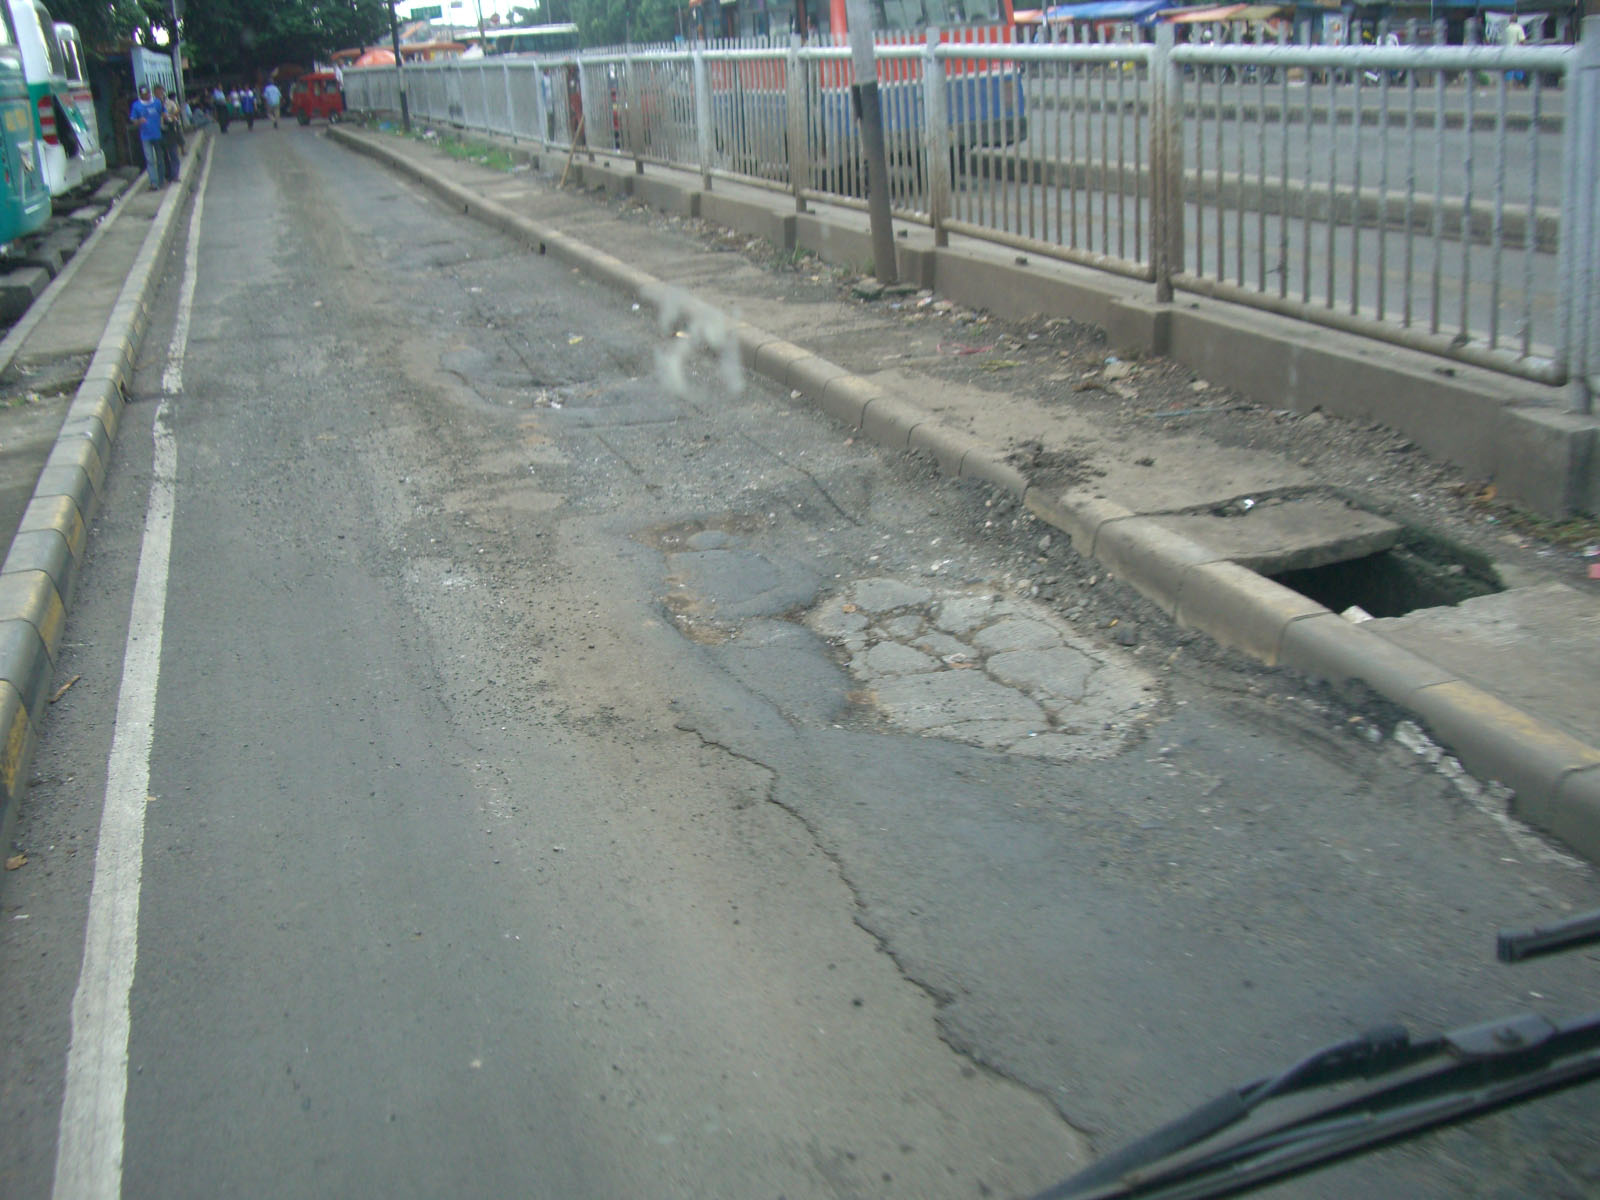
(240, 37)
(613, 22)
(105, 22)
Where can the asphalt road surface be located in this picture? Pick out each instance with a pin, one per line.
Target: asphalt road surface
(536, 762)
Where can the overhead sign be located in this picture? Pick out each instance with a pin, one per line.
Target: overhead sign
(429, 12)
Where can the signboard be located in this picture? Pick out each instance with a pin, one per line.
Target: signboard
(429, 12)
(151, 68)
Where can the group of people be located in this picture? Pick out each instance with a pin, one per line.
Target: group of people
(247, 104)
(160, 123)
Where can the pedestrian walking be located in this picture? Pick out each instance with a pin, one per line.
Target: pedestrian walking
(247, 107)
(219, 108)
(171, 133)
(145, 112)
(272, 98)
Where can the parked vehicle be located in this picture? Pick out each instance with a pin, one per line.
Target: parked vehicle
(24, 197)
(84, 120)
(67, 143)
(316, 96)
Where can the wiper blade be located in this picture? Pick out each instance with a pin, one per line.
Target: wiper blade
(1447, 1079)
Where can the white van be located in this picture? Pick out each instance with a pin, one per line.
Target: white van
(64, 127)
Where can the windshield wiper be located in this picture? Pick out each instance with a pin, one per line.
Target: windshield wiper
(1391, 1088)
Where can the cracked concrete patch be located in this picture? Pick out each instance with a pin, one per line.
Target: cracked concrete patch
(974, 666)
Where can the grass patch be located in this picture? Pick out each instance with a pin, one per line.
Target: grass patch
(1569, 533)
(467, 151)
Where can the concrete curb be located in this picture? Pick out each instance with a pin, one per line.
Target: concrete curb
(1556, 778)
(38, 573)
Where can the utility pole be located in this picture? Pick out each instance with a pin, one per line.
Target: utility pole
(869, 112)
(399, 69)
(177, 50)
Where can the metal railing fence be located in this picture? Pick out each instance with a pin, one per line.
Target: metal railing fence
(1418, 195)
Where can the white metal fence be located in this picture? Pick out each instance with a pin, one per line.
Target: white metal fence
(1439, 197)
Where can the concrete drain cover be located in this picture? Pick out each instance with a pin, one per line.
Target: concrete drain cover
(983, 668)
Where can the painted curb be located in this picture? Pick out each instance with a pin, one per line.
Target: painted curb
(39, 570)
(1556, 778)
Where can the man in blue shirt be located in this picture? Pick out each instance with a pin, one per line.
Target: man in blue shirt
(146, 114)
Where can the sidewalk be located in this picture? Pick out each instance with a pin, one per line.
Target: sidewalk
(1509, 681)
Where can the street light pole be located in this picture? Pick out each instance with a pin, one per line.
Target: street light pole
(399, 69)
(869, 111)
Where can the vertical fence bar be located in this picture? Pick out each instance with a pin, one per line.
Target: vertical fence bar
(1305, 191)
(1383, 183)
(1199, 168)
(1140, 90)
(1411, 196)
(1530, 232)
(1222, 208)
(1438, 198)
(1238, 176)
(1261, 177)
(1062, 167)
(1497, 233)
(1283, 178)
(1356, 115)
(1075, 164)
(1333, 184)
(1466, 232)
(1122, 159)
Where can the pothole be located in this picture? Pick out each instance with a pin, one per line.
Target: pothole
(1421, 571)
(979, 666)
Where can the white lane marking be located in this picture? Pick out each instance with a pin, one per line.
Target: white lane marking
(89, 1145)
(172, 377)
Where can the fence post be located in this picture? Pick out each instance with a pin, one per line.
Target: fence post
(628, 95)
(511, 108)
(586, 106)
(869, 125)
(541, 109)
(1166, 163)
(799, 148)
(1579, 258)
(936, 137)
(702, 115)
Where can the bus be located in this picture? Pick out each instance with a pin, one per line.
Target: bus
(531, 39)
(68, 151)
(84, 120)
(24, 195)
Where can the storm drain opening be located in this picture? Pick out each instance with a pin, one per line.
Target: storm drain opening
(1419, 571)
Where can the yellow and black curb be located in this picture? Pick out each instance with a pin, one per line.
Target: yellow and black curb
(38, 573)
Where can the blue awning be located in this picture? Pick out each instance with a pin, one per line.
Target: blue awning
(1143, 11)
